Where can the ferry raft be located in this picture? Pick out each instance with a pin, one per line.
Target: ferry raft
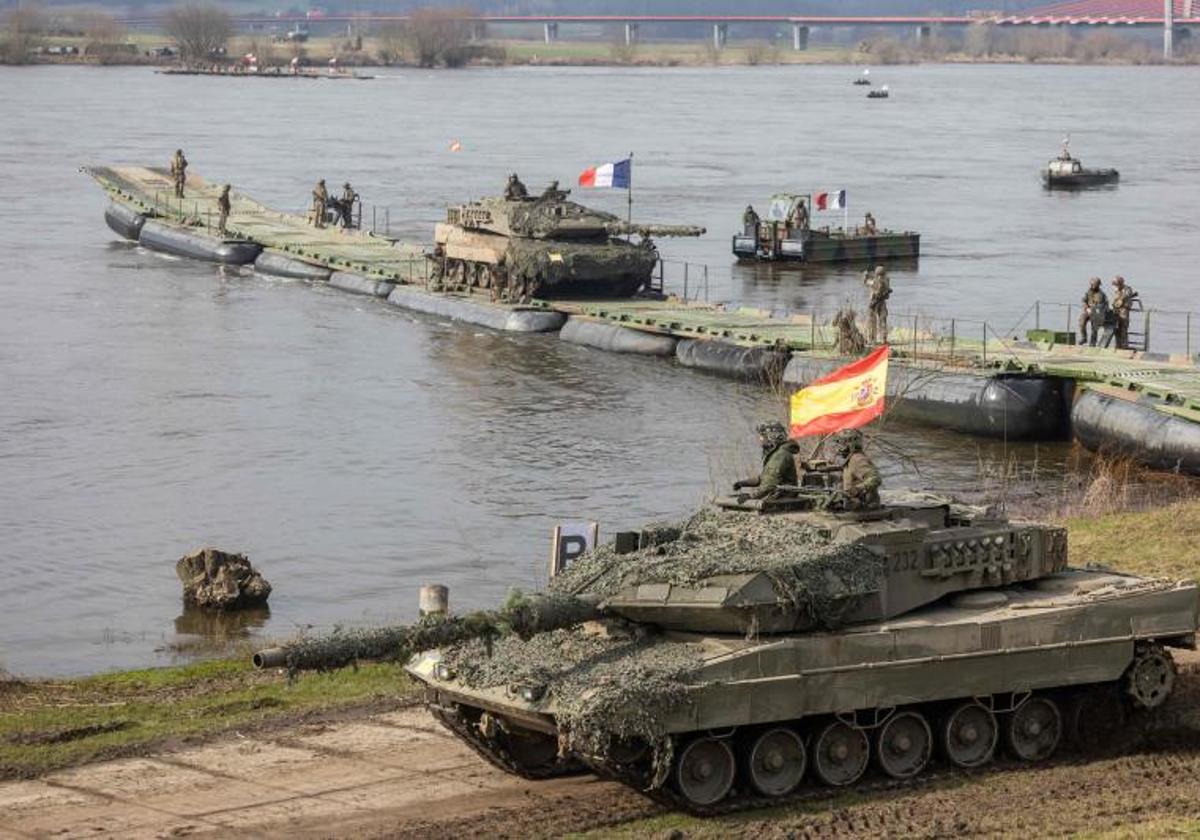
(785, 234)
(1141, 404)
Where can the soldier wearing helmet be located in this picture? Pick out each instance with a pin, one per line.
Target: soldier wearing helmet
(514, 189)
(860, 478)
(880, 289)
(1095, 310)
(1122, 304)
(179, 167)
(779, 462)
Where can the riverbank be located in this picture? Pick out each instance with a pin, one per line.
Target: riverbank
(46, 725)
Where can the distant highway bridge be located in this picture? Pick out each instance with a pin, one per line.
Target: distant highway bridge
(1173, 16)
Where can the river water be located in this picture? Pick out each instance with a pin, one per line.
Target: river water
(149, 405)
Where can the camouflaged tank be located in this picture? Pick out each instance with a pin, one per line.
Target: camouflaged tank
(547, 247)
(762, 648)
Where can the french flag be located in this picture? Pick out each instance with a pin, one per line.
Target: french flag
(617, 175)
(831, 200)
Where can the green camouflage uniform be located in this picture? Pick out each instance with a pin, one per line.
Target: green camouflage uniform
(1095, 305)
(880, 288)
(224, 205)
(779, 467)
(860, 482)
(320, 198)
(179, 166)
(1122, 304)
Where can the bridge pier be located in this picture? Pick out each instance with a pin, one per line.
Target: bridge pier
(631, 34)
(720, 35)
(550, 31)
(1168, 29)
(478, 30)
(799, 37)
(923, 32)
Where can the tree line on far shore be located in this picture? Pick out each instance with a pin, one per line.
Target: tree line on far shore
(202, 32)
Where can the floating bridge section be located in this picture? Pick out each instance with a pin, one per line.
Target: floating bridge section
(1143, 403)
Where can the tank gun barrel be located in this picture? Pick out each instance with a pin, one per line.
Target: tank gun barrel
(524, 615)
(625, 228)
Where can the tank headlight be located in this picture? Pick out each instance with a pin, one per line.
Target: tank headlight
(531, 693)
(443, 672)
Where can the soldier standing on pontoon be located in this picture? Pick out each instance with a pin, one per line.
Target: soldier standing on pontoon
(349, 196)
(1095, 309)
(224, 205)
(877, 311)
(320, 197)
(1122, 304)
(179, 167)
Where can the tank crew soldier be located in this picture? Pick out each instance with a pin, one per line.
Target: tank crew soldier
(1122, 304)
(860, 478)
(349, 196)
(1095, 308)
(553, 193)
(750, 221)
(320, 199)
(514, 189)
(869, 224)
(224, 205)
(779, 462)
(880, 288)
(179, 166)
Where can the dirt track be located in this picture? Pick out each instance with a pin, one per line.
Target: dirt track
(400, 774)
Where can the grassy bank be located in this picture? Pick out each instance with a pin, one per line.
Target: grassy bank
(48, 724)
(1163, 542)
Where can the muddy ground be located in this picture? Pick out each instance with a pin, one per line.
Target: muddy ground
(398, 774)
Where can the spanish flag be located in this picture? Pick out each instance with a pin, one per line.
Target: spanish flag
(850, 397)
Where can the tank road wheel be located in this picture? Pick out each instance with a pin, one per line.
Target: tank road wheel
(776, 762)
(969, 735)
(904, 745)
(1034, 729)
(840, 754)
(1151, 677)
(705, 770)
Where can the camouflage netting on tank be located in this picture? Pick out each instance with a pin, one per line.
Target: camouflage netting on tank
(605, 684)
(522, 615)
(818, 577)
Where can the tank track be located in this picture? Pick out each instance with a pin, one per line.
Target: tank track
(673, 801)
(742, 798)
(494, 753)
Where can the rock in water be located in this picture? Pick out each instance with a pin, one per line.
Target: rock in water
(217, 580)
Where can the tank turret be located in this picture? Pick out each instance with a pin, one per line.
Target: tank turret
(545, 246)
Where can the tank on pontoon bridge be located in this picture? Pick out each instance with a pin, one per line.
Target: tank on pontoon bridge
(546, 246)
(786, 233)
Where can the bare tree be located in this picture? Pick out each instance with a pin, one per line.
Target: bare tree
(105, 37)
(22, 31)
(390, 40)
(438, 35)
(198, 31)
